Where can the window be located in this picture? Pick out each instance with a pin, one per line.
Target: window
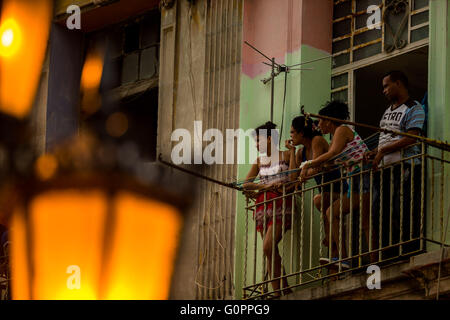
(133, 49)
(130, 81)
(403, 28)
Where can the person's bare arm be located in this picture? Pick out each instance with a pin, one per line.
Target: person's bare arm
(319, 147)
(341, 137)
(292, 160)
(399, 144)
(395, 146)
(252, 174)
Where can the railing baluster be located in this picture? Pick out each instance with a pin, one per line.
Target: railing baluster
(255, 251)
(322, 228)
(361, 182)
(442, 195)
(330, 229)
(402, 176)
(391, 192)
(350, 238)
(246, 244)
(302, 230)
(422, 196)
(432, 197)
(340, 231)
(282, 233)
(264, 288)
(381, 210)
(411, 200)
(311, 228)
(370, 215)
(274, 227)
(292, 230)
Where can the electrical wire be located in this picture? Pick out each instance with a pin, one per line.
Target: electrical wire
(284, 104)
(306, 62)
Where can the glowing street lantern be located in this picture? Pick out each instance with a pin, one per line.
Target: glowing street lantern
(121, 243)
(80, 229)
(80, 232)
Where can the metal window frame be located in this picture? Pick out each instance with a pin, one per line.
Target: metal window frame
(141, 84)
(352, 66)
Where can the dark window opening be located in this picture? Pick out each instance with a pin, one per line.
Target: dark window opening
(142, 113)
(370, 102)
(132, 33)
(132, 56)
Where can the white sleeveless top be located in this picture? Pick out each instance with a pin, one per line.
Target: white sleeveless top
(270, 172)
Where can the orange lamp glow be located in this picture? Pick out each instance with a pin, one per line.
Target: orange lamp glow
(90, 81)
(24, 31)
(11, 38)
(88, 243)
(92, 71)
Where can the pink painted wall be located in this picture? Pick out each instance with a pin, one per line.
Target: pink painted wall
(277, 27)
(317, 27)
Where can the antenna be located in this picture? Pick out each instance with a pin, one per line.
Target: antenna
(276, 70)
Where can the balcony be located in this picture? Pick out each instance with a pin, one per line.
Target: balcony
(404, 219)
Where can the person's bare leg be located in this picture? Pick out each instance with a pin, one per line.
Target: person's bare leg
(267, 247)
(326, 204)
(366, 227)
(336, 207)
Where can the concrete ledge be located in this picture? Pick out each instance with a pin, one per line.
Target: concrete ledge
(413, 279)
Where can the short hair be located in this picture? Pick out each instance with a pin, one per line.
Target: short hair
(335, 109)
(268, 127)
(396, 75)
(307, 127)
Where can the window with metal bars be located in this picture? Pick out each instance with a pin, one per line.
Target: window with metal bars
(358, 41)
(355, 37)
(133, 49)
(130, 81)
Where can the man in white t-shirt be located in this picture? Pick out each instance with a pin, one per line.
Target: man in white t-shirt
(403, 115)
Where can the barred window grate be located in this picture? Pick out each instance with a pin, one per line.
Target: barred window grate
(402, 22)
(404, 26)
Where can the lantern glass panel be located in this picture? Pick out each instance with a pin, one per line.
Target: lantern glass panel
(19, 261)
(144, 248)
(67, 239)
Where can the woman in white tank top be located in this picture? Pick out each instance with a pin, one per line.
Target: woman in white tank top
(270, 214)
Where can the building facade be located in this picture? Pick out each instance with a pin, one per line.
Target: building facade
(177, 62)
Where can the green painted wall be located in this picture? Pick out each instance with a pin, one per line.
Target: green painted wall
(439, 116)
(308, 88)
(312, 89)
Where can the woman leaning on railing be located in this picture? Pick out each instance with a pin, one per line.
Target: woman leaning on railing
(350, 149)
(305, 133)
(270, 214)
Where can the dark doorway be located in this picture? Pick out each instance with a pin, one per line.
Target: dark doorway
(142, 114)
(370, 103)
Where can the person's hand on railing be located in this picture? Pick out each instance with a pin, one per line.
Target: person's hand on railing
(251, 189)
(304, 175)
(252, 194)
(370, 155)
(376, 161)
(270, 187)
(277, 187)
